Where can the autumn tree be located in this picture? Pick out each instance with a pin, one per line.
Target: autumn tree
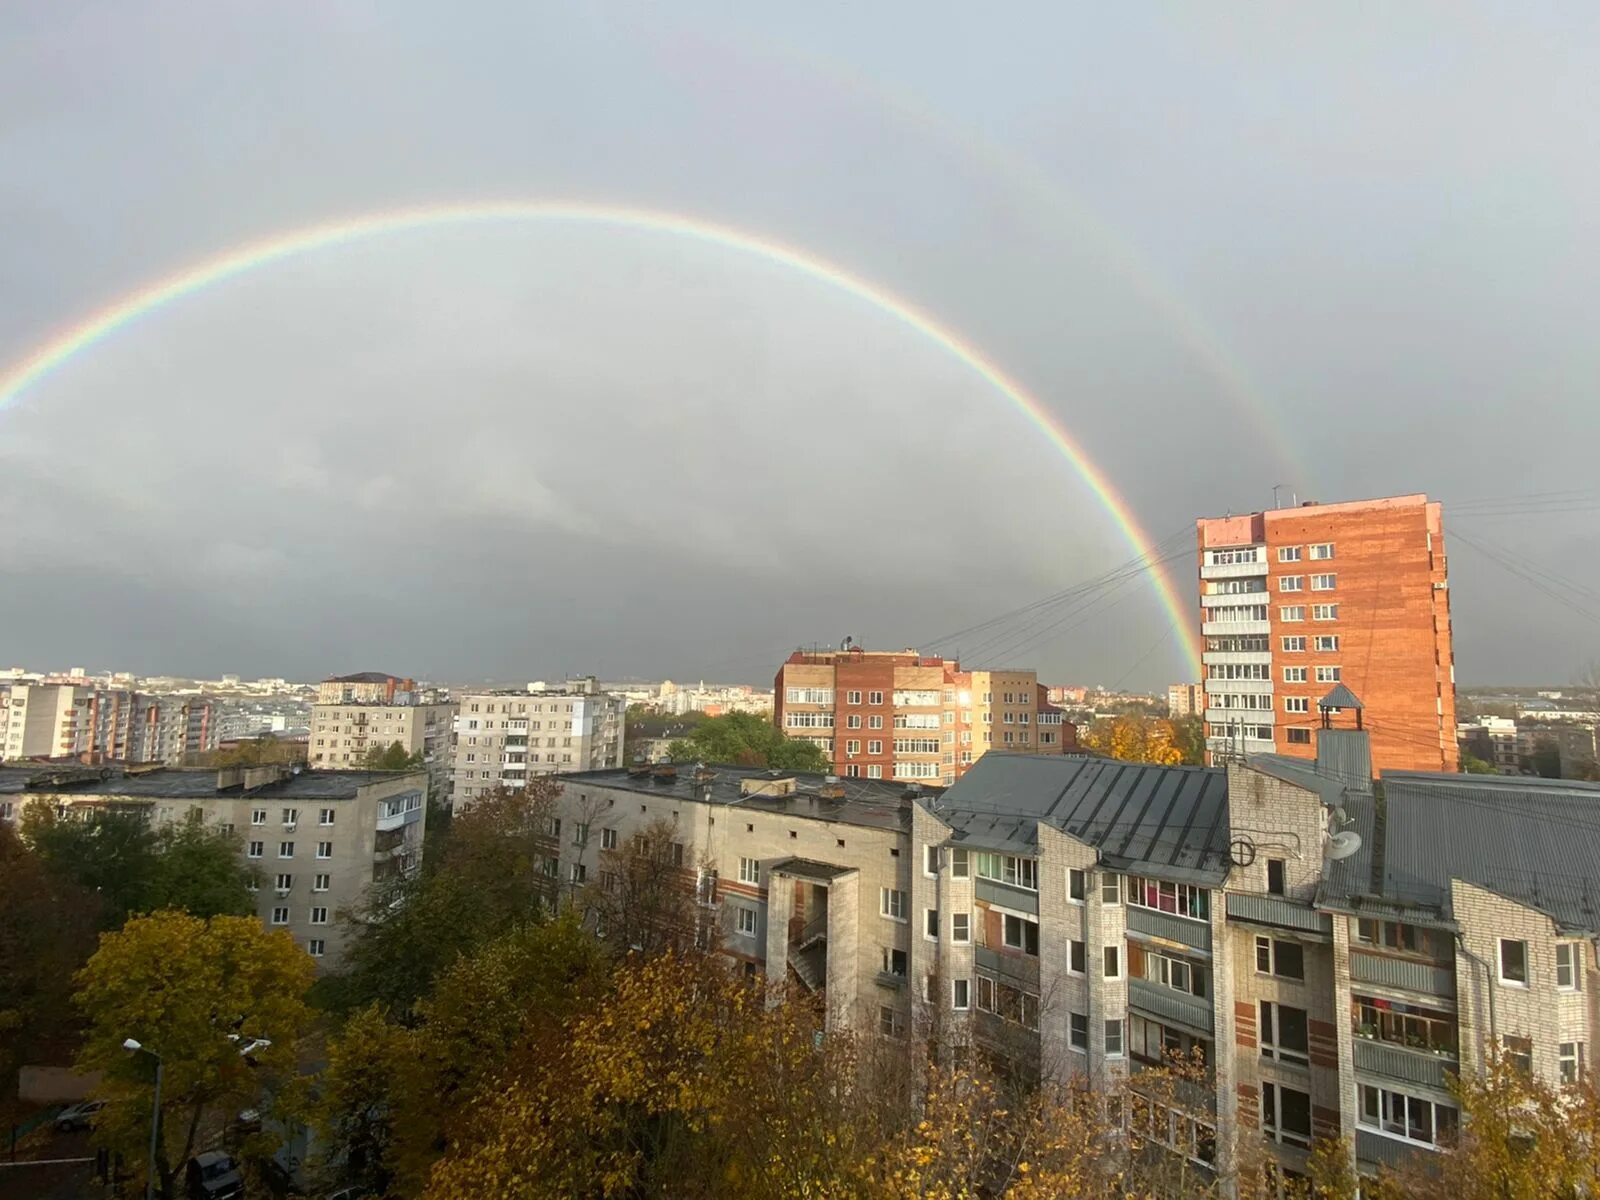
(1134, 739)
(487, 877)
(393, 757)
(747, 740)
(643, 896)
(252, 752)
(192, 991)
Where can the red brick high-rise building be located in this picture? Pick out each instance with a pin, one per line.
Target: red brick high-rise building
(904, 715)
(1295, 601)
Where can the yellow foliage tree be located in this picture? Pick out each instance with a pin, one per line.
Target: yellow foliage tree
(1135, 739)
(180, 986)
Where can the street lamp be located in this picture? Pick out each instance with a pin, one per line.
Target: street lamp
(133, 1046)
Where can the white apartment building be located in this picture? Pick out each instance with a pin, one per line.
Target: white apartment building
(343, 734)
(72, 720)
(1081, 915)
(503, 738)
(317, 839)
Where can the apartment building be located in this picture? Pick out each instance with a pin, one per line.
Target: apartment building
(343, 734)
(1296, 600)
(364, 687)
(502, 739)
(1186, 700)
(317, 839)
(1067, 915)
(904, 715)
(76, 720)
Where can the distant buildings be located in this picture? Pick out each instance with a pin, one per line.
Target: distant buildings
(904, 715)
(505, 738)
(366, 687)
(60, 720)
(1186, 700)
(1295, 601)
(317, 839)
(344, 733)
(1514, 749)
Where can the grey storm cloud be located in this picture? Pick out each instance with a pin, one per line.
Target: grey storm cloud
(1227, 249)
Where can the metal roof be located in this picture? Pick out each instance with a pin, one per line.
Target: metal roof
(200, 783)
(1169, 821)
(808, 868)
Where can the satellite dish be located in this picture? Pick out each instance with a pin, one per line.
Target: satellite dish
(1344, 844)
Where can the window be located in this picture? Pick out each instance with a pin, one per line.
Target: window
(1285, 1114)
(1020, 934)
(291, 817)
(1294, 675)
(1403, 1116)
(1323, 583)
(890, 1023)
(316, 947)
(285, 882)
(327, 817)
(852, 697)
(1513, 962)
(258, 816)
(1286, 960)
(1179, 899)
(961, 994)
(1177, 974)
(986, 993)
(853, 721)
(1288, 553)
(1322, 551)
(874, 771)
(280, 916)
(875, 747)
(1519, 1053)
(747, 921)
(1275, 880)
(1294, 645)
(930, 924)
(1284, 1035)
(579, 873)
(324, 849)
(321, 883)
(1077, 957)
(1296, 704)
(1568, 962)
(1077, 884)
(930, 860)
(805, 695)
(1570, 1058)
(1292, 612)
(1325, 612)
(1298, 737)
(1113, 962)
(319, 916)
(1111, 889)
(1327, 674)
(1078, 1031)
(892, 903)
(875, 698)
(961, 927)
(1114, 1038)
(1291, 583)
(960, 865)
(1018, 872)
(1326, 643)
(750, 870)
(285, 849)
(608, 839)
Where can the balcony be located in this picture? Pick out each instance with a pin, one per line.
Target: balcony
(1249, 745)
(1173, 929)
(1004, 894)
(1261, 686)
(1168, 1005)
(1012, 967)
(889, 979)
(1412, 976)
(1383, 1151)
(398, 820)
(1234, 628)
(1276, 911)
(1233, 599)
(1393, 1061)
(1237, 656)
(1241, 716)
(1233, 570)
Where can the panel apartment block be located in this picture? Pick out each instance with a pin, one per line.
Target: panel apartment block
(1297, 600)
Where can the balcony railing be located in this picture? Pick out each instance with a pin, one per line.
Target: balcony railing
(1018, 899)
(1241, 716)
(1233, 570)
(1168, 1005)
(1234, 628)
(1016, 968)
(1233, 599)
(1402, 1062)
(1275, 910)
(1392, 972)
(1165, 925)
(1263, 686)
(1375, 1148)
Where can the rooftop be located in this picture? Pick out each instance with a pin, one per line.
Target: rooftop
(364, 677)
(874, 803)
(1172, 821)
(196, 783)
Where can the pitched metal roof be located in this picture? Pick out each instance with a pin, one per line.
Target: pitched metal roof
(1169, 821)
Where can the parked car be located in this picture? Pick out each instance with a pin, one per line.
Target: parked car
(79, 1116)
(213, 1176)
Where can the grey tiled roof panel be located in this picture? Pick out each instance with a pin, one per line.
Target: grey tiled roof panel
(196, 783)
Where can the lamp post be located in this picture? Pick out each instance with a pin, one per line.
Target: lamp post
(133, 1046)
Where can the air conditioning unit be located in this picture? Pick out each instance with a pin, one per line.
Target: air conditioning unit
(282, 892)
(290, 826)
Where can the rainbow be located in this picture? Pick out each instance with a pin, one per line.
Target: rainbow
(100, 325)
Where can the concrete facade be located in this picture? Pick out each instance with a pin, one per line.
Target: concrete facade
(502, 739)
(104, 724)
(342, 735)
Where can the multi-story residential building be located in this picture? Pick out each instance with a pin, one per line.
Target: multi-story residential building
(317, 839)
(502, 739)
(343, 734)
(1295, 600)
(1186, 700)
(74, 720)
(1329, 966)
(887, 715)
(364, 687)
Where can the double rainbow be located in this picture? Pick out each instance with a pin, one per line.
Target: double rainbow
(220, 268)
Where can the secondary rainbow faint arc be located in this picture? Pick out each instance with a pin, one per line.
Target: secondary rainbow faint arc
(219, 268)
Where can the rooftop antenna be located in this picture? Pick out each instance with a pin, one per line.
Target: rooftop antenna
(1275, 489)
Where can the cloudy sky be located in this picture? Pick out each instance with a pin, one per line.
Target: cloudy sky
(1350, 251)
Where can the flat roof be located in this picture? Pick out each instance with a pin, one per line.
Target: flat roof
(195, 783)
(874, 803)
(1170, 821)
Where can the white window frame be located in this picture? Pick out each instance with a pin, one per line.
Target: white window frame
(280, 915)
(961, 928)
(1118, 1026)
(1291, 583)
(892, 904)
(320, 883)
(1082, 877)
(1569, 1062)
(1077, 956)
(930, 924)
(960, 863)
(1110, 889)
(1275, 1132)
(1288, 554)
(750, 871)
(1324, 582)
(282, 845)
(1295, 675)
(1111, 962)
(319, 915)
(747, 916)
(1572, 968)
(961, 994)
(324, 850)
(1321, 552)
(1296, 704)
(255, 850)
(316, 947)
(1271, 1012)
(1078, 1032)
(1500, 963)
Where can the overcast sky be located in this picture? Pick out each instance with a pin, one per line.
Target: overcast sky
(1353, 251)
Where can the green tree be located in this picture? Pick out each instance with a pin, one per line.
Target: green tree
(1544, 760)
(111, 854)
(253, 752)
(486, 877)
(1473, 765)
(394, 757)
(1189, 736)
(199, 870)
(181, 985)
(744, 739)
